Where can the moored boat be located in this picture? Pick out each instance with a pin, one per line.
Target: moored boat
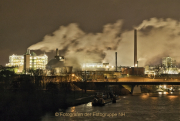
(101, 99)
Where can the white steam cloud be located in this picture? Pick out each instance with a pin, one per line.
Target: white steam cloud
(156, 38)
(84, 47)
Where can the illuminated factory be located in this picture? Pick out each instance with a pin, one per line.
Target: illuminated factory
(96, 66)
(168, 66)
(27, 61)
(57, 66)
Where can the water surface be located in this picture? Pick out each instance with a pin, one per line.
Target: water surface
(145, 107)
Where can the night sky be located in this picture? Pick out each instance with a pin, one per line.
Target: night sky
(26, 22)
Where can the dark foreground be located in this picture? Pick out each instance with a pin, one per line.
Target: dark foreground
(144, 107)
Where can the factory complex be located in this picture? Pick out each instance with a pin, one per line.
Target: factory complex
(27, 61)
(168, 66)
(25, 64)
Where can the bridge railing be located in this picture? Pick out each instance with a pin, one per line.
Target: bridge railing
(136, 80)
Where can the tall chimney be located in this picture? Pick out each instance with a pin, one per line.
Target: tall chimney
(28, 51)
(57, 52)
(116, 60)
(135, 48)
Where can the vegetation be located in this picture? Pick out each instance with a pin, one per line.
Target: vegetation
(25, 97)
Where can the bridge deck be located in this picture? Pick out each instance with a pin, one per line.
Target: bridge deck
(137, 81)
(134, 83)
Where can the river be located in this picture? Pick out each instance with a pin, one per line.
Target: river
(161, 106)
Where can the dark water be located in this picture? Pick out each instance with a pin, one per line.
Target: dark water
(144, 107)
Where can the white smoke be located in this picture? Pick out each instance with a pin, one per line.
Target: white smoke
(156, 38)
(85, 47)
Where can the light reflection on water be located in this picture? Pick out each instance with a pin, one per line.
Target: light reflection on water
(147, 106)
(73, 109)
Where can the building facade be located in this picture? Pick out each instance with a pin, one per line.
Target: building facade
(168, 62)
(168, 66)
(27, 61)
(96, 66)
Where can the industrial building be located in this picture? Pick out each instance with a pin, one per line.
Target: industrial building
(168, 62)
(56, 66)
(27, 61)
(96, 66)
(15, 60)
(132, 70)
(168, 66)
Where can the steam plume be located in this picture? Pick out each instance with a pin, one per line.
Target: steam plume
(156, 38)
(85, 47)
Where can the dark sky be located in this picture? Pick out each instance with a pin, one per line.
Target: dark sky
(26, 22)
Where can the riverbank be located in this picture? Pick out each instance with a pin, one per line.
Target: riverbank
(23, 105)
(29, 103)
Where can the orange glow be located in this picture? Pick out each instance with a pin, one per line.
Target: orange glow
(154, 98)
(72, 109)
(172, 97)
(145, 96)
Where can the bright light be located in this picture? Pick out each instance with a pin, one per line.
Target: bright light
(165, 86)
(72, 74)
(159, 92)
(164, 92)
(112, 66)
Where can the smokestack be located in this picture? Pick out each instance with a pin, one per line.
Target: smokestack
(116, 60)
(28, 51)
(27, 61)
(135, 48)
(57, 52)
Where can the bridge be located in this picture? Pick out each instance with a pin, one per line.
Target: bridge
(133, 82)
(129, 82)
